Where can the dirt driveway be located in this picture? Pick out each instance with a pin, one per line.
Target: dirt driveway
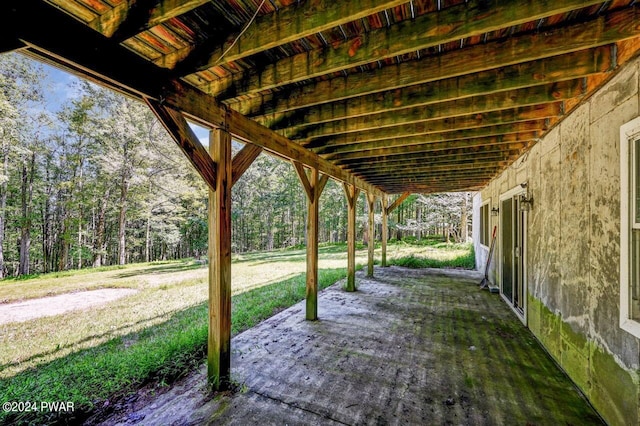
(55, 305)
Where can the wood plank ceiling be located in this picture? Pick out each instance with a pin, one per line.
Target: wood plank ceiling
(401, 96)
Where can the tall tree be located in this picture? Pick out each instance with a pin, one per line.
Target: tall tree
(20, 96)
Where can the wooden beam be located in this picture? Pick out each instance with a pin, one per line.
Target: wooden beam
(371, 200)
(432, 189)
(396, 203)
(536, 95)
(304, 179)
(420, 167)
(409, 164)
(386, 165)
(385, 230)
(243, 159)
(250, 131)
(313, 185)
(219, 343)
(433, 180)
(286, 25)
(435, 139)
(426, 180)
(38, 25)
(429, 127)
(179, 129)
(486, 145)
(434, 149)
(606, 29)
(429, 30)
(477, 172)
(277, 111)
(351, 192)
(131, 17)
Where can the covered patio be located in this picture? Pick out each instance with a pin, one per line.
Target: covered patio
(390, 98)
(409, 347)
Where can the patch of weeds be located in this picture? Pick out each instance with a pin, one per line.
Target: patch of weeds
(468, 381)
(465, 260)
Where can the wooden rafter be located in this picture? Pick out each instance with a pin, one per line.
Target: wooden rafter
(511, 116)
(129, 18)
(443, 138)
(491, 146)
(282, 27)
(530, 96)
(508, 141)
(429, 30)
(286, 111)
(604, 30)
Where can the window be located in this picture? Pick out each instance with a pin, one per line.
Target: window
(630, 227)
(484, 224)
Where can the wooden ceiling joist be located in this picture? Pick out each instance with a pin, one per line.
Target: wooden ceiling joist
(282, 27)
(451, 24)
(546, 112)
(141, 79)
(511, 140)
(490, 146)
(538, 95)
(549, 70)
(384, 95)
(131, 17)
(443, 171)
(605, 29)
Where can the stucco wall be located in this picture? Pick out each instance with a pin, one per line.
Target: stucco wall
(573, 246)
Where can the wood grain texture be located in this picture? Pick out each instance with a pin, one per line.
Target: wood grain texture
(429, 30)
(219, 343)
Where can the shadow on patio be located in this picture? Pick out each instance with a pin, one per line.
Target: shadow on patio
(415, 347)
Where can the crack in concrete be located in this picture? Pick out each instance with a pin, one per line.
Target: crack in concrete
(298, 407)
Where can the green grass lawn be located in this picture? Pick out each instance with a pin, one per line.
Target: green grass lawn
(160, 332)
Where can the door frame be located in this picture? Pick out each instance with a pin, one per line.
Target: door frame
(520, 189)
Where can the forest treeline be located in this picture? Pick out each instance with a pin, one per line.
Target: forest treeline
(100, 182)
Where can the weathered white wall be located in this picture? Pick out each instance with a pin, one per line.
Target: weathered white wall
(573, 247)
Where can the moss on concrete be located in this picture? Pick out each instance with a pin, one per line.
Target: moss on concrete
(613, 390)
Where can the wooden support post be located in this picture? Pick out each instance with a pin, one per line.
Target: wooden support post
(385, 230)
(371, 201)
(313, 186)
(219, 344)
(351, 193)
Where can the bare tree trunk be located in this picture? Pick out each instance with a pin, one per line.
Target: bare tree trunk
(63, 237)
(147, 238)
(122, 220)
(99, 247)
(269, 231)
(47, 238)
(3, 202)
(28, 171)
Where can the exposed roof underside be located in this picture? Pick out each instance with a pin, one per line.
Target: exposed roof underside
(401, 96)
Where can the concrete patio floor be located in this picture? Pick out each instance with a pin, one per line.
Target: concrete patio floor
(410, 347)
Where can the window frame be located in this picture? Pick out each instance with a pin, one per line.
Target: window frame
(485, 234)
(629, 137)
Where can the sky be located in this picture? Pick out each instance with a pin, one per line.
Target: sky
(61, 84)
